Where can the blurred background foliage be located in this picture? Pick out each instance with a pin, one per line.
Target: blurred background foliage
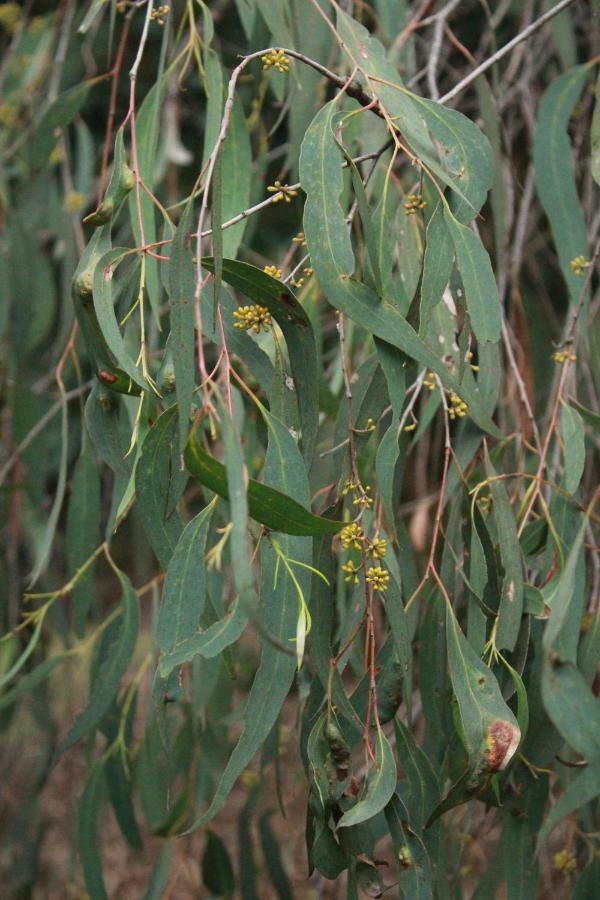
(105, 817)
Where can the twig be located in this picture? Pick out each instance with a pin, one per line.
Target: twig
(116, 70)
(39, 427)
(501, 53)
(430, 568)
(436, 46)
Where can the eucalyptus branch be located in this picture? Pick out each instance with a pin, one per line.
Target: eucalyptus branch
(503, 51)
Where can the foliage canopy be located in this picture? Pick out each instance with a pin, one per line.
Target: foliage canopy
(301, 383)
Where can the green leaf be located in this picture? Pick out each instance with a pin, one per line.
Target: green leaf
(553, 163)
(265, 504)
(380, 786)
(181, 288)
(225, 631)
(113, 667)
(279, 611)
(491, 732)
(120, 790)
(87, 832)
(217, 872)
(393, 364)
(153, 476)
(592, 418)
(322, 610)
(101, 358)
(492, 126)
(583, 789)
(160, 874)
(371, 237)
(184, 593)
(414, 866)
(511, 600)
(297, 331)
(45, 545)
(121, 182)
(560, 637)
(595, 136)
(464, 152)
(573, 444)
(272, 857)
(573, 709)
(106, 426)
(60, 114)
(524, 810)
(522, 701)
(148, 124)
(424, 790)
(210, 642)
(83, 526)
(333, 259)
(105, 313)
(481, 293)
(213, 87)
(464, 789)
(236, 160)
(437, 265)
(394, 609)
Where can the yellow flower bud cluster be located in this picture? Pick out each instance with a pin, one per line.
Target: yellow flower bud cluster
(252, 318)
(429, 381)
(158, 14)
(10, 17)
(299, 239)
(579, 264)
(273, 271)
(282, 192)
(352, 536)
(276, 59)
(362, 498)
(361, 493)
(458, 408)
(351, 572)
(378, 578)
(74, 202)
(413, 203)
(249, 779)
(563, 356)
(565, 861)
(349, 485)
(377, 548)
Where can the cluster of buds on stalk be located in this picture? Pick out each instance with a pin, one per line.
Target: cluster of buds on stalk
(276, 59)
(252, 318)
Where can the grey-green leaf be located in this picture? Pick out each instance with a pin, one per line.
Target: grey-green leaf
(553, 163)
(153, 476)
(491, 732)
(481, 293)
(381, 785)
(184, 592)
(114, 666)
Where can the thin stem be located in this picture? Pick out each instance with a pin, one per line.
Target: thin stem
(502, 52)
